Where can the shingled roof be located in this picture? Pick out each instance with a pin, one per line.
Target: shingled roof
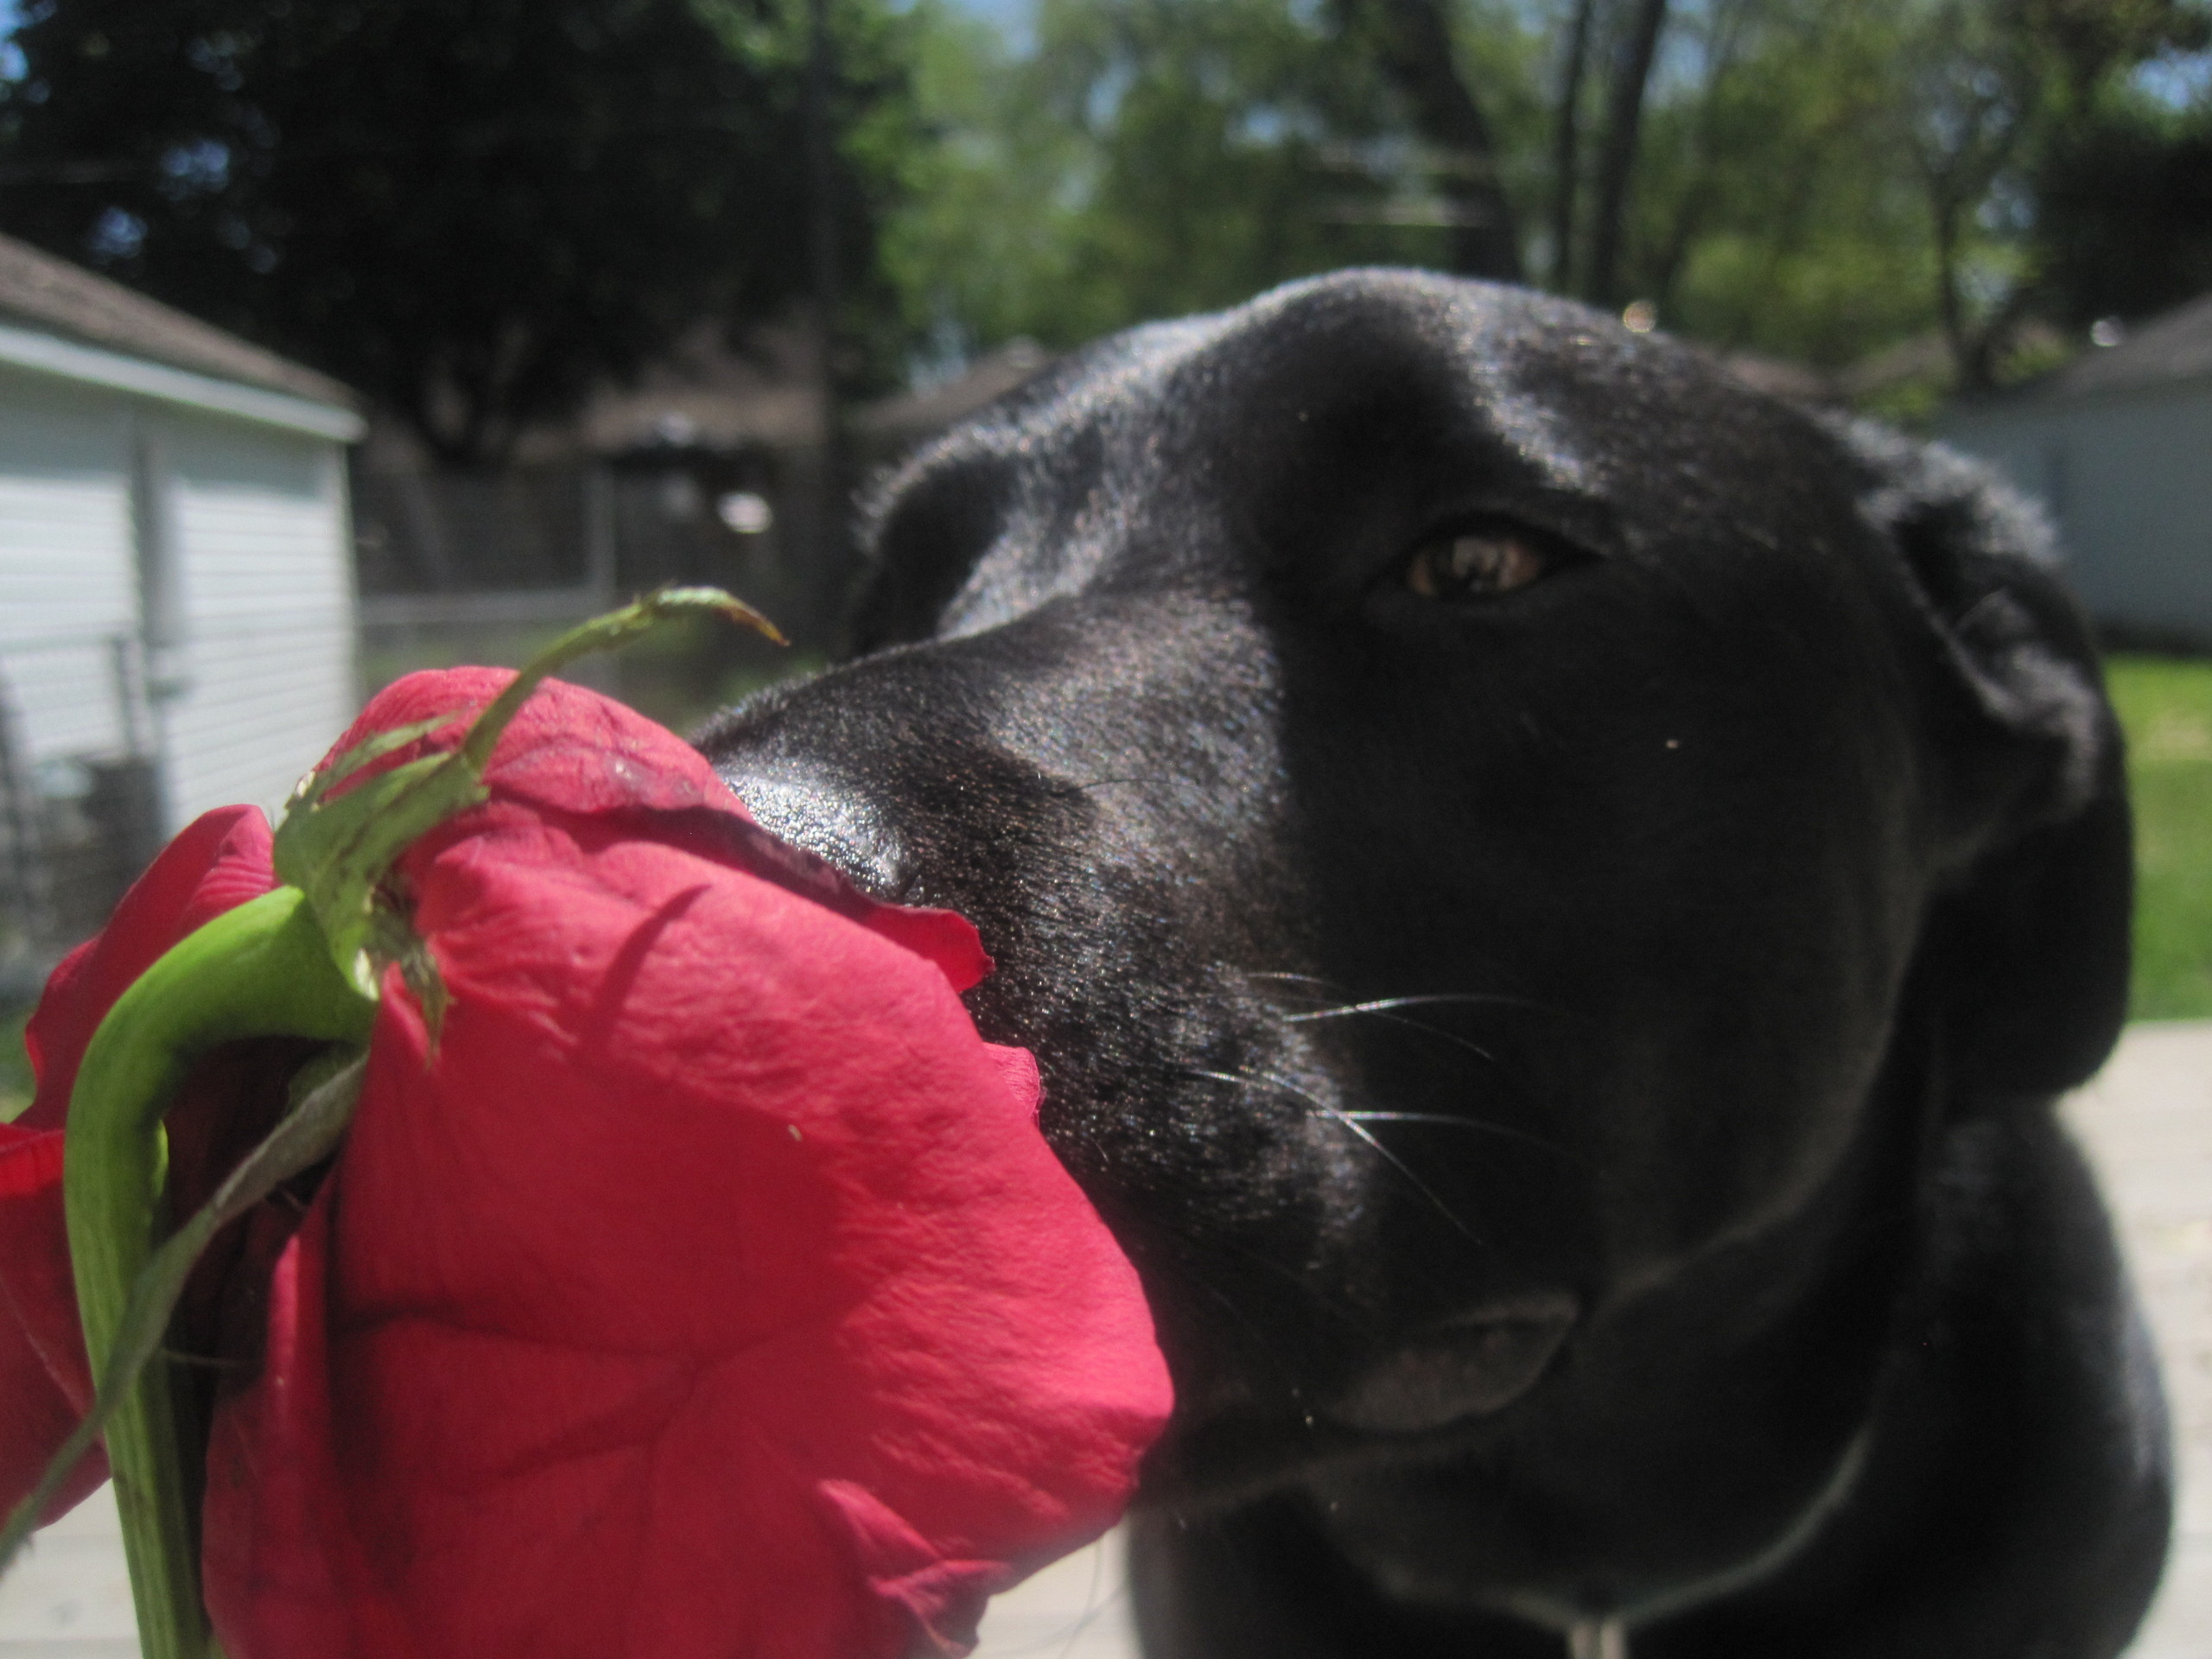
(2174, 346)
(43, 292)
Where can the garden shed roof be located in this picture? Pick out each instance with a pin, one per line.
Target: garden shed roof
(54, 296)
(2173, 346)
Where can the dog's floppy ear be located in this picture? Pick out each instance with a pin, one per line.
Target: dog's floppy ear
(2027, 951)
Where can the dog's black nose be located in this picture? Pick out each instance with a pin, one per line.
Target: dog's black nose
(813, 812)
(803, 783)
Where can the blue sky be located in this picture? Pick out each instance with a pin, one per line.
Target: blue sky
(2177, 81)
(1015, 19)
(1007, 13)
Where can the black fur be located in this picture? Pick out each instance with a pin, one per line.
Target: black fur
(1574, 1068)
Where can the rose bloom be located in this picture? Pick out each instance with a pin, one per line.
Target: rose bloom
(704, 1288)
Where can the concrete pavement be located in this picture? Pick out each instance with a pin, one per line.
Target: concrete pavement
(2146, 1122)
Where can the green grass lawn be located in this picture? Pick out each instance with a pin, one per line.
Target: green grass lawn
(2166, 703)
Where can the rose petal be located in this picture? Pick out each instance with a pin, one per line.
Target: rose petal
(707, 1290)
(572, 751)
(707, 1196)
(279, 1567)
(567, 750)
(43, 1377)
(930, 1605)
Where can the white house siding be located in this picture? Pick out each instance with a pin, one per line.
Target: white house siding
(2128, 477)
(259, 524)
(68, 585)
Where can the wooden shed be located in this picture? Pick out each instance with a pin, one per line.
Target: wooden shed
(2118, 444)
(176, 587)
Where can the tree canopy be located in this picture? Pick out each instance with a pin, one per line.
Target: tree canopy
(470, 209)
(1815, 179)
(1149, 157)
(477, 209)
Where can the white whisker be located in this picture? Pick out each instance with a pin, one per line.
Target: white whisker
(1261, 1080)
(1481, 1126)
(1384, 1004)
(1382, 1011)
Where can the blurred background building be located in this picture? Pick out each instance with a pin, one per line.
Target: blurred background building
(176, 587)
(2118, 444)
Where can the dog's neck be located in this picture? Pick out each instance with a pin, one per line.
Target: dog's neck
(1597, 1638)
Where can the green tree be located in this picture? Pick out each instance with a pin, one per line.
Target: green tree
(1770, 214)
(986, 243)
(1153, 157)
(1228, 149)
(2123, 184)
(1811, 178)
(2124, 213)
(473, 209)
(1818, 178)
(1993, 94)
(1413, 43)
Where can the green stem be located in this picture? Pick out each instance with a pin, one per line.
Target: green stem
(263, 970)
(601, 633)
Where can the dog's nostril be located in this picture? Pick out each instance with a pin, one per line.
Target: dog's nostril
(845, 830)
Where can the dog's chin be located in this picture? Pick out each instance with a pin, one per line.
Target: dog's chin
(1479, 1362)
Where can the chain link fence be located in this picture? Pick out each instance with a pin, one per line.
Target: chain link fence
(79, 796)
(459, 568)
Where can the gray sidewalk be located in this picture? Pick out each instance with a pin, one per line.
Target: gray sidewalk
(2147, 1123)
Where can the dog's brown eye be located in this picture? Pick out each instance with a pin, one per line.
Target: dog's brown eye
(1474, 564)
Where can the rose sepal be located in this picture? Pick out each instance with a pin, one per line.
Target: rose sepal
(337, 845)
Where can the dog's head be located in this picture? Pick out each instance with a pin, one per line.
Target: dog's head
(1469, 807)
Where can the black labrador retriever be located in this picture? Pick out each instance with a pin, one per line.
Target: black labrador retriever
(1553, 895)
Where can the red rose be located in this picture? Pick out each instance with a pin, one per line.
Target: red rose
(705, 1288)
